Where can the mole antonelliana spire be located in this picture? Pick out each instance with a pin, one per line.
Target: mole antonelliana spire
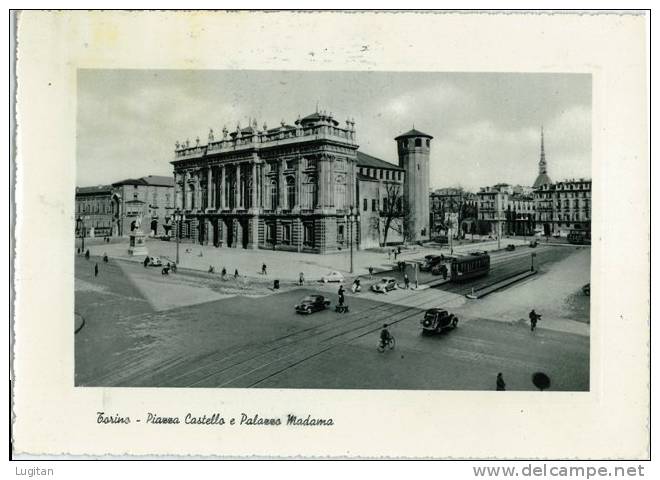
(543, 178)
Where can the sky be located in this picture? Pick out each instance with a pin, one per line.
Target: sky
(486, 126)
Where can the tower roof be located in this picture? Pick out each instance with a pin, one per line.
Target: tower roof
(413, 133)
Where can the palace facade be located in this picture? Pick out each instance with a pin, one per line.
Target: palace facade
(292, 187)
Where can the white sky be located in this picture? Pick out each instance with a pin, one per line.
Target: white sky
(486, 127)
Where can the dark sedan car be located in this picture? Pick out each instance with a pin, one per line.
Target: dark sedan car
(312, 303)
(430, 261)
(436, 320)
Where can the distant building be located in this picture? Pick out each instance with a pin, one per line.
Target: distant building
(94, 211)
(151, 198)
(506, 210)
(453, 208)
(563, 206)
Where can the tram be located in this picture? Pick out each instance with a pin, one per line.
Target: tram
(579, 237)
(470, 266)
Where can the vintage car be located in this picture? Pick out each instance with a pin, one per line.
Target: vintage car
(510, 247)
(533, 244)
(436, 320)
(333, 276)
(385, 285)
(312, 303)
(155, 262)
(429, 262)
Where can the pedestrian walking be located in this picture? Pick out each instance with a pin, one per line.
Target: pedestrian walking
(395, 254)
(371, 273)
(105, 257)
(398, 249)
(500, 385)
(211, 269)
(224, 273)
(87, 254)
(340, 293)
(236, 273)
(533, 319)
(146, 262)
(301, 279)
(406, 280)
(96, 269)
(263, 269)
(389, 255)
(78, 250)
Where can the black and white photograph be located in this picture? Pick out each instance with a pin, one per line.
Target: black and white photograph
(332, 234)
(343, 230)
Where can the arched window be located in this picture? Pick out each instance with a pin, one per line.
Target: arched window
(310, 194)
(290, 192)
(272, 194)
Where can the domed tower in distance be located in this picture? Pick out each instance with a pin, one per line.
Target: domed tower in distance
(414, 148)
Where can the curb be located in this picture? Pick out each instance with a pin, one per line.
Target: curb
(482, 292)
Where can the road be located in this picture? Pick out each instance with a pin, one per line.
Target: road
(131, 338)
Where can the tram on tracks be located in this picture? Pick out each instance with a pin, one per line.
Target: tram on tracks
(470, 266)
(579, 237)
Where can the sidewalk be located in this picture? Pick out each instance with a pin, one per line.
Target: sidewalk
(283, 265)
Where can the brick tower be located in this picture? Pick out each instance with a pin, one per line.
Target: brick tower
(414, 148)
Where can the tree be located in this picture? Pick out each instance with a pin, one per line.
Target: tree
(394, 208)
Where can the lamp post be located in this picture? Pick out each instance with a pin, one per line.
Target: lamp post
(177, 219)
(352, 217)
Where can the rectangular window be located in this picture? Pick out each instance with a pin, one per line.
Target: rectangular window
(308, 234)
(286, 234)
(365, 204)
(387, 175)
(373, 204)
(340, 233)
(380, 174)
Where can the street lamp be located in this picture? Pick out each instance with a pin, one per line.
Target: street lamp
(177, 219)
(354, 216)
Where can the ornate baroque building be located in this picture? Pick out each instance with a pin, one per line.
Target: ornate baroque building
(294, 187)
(287, 188)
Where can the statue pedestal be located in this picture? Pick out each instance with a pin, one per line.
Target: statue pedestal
(137, 244)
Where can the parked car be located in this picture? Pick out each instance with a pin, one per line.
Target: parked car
(155, 262)
(436, 320)
(533, 244)
(385, 285)
(165, 238)
(429, 262)
(510, 247)
(587, 289)
(333, 276)
(312, 303)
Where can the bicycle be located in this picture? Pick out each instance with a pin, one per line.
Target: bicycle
(383, 344)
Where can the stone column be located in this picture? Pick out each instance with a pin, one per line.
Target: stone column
(209, 188)
(223, 188)
(254, 184)
(177, 191)
(299, 184)
(186, 191)
(239, 200)
(282, 184)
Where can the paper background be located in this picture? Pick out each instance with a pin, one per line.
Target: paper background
(611, 421)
